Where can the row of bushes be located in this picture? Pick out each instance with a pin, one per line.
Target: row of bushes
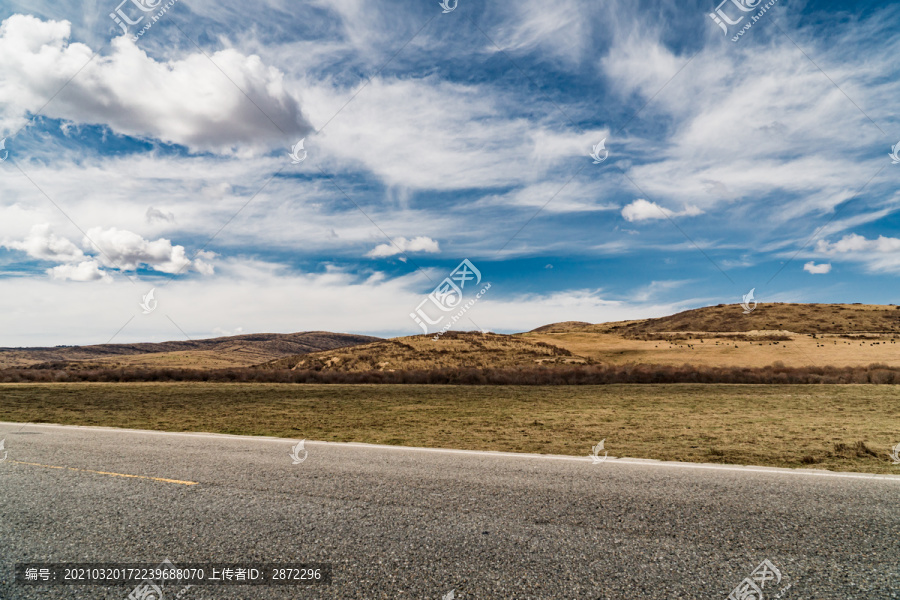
(559, 375)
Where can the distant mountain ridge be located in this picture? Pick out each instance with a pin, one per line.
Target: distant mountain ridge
(237, 350)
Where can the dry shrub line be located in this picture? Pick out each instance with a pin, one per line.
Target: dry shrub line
(776, 373)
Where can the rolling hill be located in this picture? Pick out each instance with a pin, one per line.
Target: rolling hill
(420, 352)
(796, 335)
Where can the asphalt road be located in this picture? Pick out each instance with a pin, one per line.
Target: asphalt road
(413, 523)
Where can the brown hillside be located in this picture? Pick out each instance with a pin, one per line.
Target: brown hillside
(422, 352)
(798, 318)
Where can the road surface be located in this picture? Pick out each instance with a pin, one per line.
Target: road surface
(422, 524)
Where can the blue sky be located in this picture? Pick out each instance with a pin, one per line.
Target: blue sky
(162, 162)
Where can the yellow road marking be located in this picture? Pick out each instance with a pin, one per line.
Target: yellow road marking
(19, 462)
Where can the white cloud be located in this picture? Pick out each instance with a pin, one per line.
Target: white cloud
(640, 62)
(88, 270)
(815, 269)
(188, 101)
(401, 244)
(560, 28)
(642, 210)
(880, 254)
(201, 264)
(43, 244)
(114, 248)
(857, 243)
(424, 133)
(751, 128)
(127, 250)
(556, 196)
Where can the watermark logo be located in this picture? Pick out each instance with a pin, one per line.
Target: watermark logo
(6, 153)
(595, 453)
(296, 450)
(895, 454)
(445, 4)
(145, 7)
(448, 296)
(721, 18)
(296, 159)
(149, 589)
(747, 299)
(734, 14)
(597, 150)
(449, 595)
(6, 452)
(895, 153)
(122, 19)
(751, 588)
(148, 302)
(146, 590)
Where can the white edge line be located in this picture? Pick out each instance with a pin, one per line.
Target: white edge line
(619, 461)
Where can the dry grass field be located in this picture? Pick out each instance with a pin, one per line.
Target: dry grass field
(797, 335)
(837, 427)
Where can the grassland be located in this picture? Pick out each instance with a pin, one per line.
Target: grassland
(837, 427)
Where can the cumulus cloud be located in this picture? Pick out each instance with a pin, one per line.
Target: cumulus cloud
(201, 264)
(127, 250)
(643, 210)
(187, 101)
(815, 269)
(88, 270)
(401, 244)
(114, 248)
(43, 244)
